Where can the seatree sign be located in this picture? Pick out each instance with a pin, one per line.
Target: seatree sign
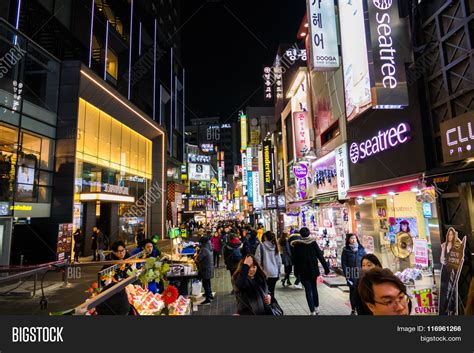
(384, 140)
(388, 33)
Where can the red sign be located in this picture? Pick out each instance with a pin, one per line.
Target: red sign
(301, 133)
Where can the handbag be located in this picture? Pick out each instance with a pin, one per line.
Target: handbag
(273, 309)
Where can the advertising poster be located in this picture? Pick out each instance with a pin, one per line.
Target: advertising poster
(268, 178)
(452, 260)
(64, 241)
(324, 174)
(199, 172)
(424, 301)
(406, 225)
(421, 253)
(355, 59)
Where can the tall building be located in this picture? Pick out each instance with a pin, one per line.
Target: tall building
(92, 103)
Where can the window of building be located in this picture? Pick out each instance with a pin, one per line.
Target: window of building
(112, 63)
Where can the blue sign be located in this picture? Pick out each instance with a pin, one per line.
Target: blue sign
(250, 187)
(427, 210)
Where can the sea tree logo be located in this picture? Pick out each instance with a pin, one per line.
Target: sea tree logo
(354, 153)
(383, 141)
(382, 4)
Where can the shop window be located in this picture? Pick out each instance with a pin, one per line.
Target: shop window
(134, 150)
(91, 132)
(115, 144)
(47, 154)
(44, 194)
(112, 64)
(330, 133)
(80, 126)
(105, 122)
(31, 144)
(45, 178)
(125, 156)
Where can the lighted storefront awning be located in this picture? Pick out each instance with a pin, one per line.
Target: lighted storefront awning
(106, 197)
(384, 187)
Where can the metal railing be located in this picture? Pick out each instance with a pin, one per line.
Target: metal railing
(108, 272)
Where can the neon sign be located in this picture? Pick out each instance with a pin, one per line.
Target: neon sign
(383, 141)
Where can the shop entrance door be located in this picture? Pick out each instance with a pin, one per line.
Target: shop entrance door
(5, 240)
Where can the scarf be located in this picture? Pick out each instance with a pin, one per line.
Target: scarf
(354, 247)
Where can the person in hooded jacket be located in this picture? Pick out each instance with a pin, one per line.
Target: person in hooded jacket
(306, 254)
(250, 287)
(268, 256)
(351, 260)
(232, 253)
(206, 268)
(250, 243)
(295, 236)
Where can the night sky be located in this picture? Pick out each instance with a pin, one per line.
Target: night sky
(226, 43)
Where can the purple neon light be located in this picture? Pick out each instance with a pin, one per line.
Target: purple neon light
(106, 49)
(154, 71)
(18, 9)
(92, 34)
(130, 51)
(184, 106)
(381, 142)
(140, 39)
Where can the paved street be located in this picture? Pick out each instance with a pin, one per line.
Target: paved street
(293, 302)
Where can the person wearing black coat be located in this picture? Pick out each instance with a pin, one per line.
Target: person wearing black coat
(78, 240)
(250, 287)
(286, 259)
(306, 254)
(295, 236)
(351, 260)
(206, 267)
(369, 262)
(250, 243)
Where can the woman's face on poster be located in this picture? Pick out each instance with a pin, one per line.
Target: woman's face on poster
(450, 236)
(404, 227)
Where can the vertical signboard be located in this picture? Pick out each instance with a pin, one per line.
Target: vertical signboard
(301, 133)
(243, 132)
(268, 179)
(256, 189)
(388, 37)
(219, 176)
(342, 170)
(355, 59)
(324, 44)
(250, 187)
(244, 168)
(268, 83)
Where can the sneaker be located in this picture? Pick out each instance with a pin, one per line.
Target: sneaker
(312, 313)
(298, 286)
(316, 311)
(206, 302)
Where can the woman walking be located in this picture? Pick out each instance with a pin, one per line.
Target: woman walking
(250, 287)
(216, 248)
(268, 256)
(351, 260)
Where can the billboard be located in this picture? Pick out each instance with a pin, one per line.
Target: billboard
(268, 178)
(324, 43)
(243, 132)
(457, 138)
(199, 172)
(357, 87)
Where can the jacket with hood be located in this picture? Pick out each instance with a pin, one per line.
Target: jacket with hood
(250, 245)
(205, 261)
(271, 262)
(286, 257)
(232, 254)
(306, 254)
(351, 263)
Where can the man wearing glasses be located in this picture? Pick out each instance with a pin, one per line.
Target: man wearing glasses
(384, 293)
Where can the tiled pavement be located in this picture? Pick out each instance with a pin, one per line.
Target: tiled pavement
(293, 301)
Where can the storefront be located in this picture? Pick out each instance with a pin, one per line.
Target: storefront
(111, 170)
(392, 209)
(28, 121)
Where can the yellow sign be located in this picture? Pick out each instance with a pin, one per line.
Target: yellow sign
(21, 208)
(243, 131)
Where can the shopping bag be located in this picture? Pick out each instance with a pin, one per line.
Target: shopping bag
(196, 288)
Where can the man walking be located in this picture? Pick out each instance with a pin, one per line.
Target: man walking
(306, 255)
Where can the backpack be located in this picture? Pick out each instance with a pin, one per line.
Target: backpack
(236, 255)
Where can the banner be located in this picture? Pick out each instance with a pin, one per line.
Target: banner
(268, 179)
(452, 260)
(243, 132)
(324, 43)
(301, 133)
(342, 170)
